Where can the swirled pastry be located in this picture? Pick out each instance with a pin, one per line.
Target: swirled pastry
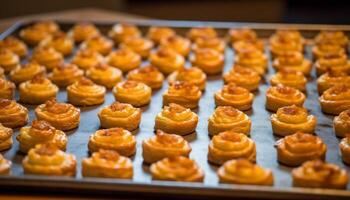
(292, 60)
(185, 94)
(344, 147)
(176, 119)
(121, 115)
(12, 114)
(253, 59)
(177, 43)
(117, 139)
(124, 59)
(34, 34)
(280, 96)
(47, 56)
(318, 174)
(326, 49)
(215, 43)
(135, 93)
(178, 168)
(5, 138)
(148, 75)
(290, 78)
(209, 60)
(15, 45)
(103, 74)
(332, 78)
(99, 44)
(335, 62)
(335, 100)
(83, 31)
(140, 45)
(107, 164)
(8, 60)
(26, 72)
(84, 92)
(7, 89)
(167, 60)
(227, 118)
(62, 116)
(120, 32)
(332, 36)
(247, 45)
(243, 77)
(341, 123)
(164, 145)
(198, 32)
(65, 74)
(230, 145)
(286, 41)
(47, 159)
(87, 58)
(38, 133)
(235, 96)
(244, 172)
(60, 42)
(5, 165)
(242, 34)
(193, 75)
(156, 34)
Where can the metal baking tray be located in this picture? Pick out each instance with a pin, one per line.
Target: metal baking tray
(142, 183)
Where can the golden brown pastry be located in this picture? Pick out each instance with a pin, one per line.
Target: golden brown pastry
(344, 147)
(135, 93)
(121, 115)
(332, 36)
(5, 166)
(318, 174)
(335, 100)
(235, 96)
(209, 60)
(99, 44)
(62, 116)
(5, 138)
(47, 56)
(215, 43)
(156, 34)
(286, 41)
(177, 43)
(38, 133)
(140, 45)
(120, 32)
(247, 45)
(227, 118)
(326, 49)
(198, 32)
(193, 75)
(7, 89)
(167, 60)
(164, 145)
(289, 77)
(47, 159)
(280, 96)
(48, 26)
(230, 145)
(178, 168)
(124, 59)
(253, 59)
(2, 73)
(243, 77)
(60, 42)
(118, 139)
(341, 123)
(148, 75)
(87, 58)
(103, 74)
(8, 60)
(15, 45)
(332, 78)
(107, 164)
(176, 119)
(242, 34)
(185, 94)
(12, 114)
(65, 74)
(26, 72)
(34, 34)
(244, 172)
(292, 60)
(83, 31)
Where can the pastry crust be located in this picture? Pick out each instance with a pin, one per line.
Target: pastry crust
(148, 75)
(7, 89)
(341, 123)
(15, 45)
(65, 74)
(83, 31)
(5, 166)
(140, 45)
(292, 60)
(120, 32)
(344, 147)
(284, 41)
(164, 145)
(176, 119)
(193, 75)
(60, 42)
(280, 96)
(235, 96)
(209, 60)
(5, 139)
(332, 36)
(8, 60)
(324, 49)
(26, 72)
(253, 59)
(243, 77)
(335, 62)
(242, 34)
(12, 114)
(246, 45)
(198, 32)
(335, 100)
(332, 78)
(291, 78)
(167, 60)
(215, 43)
(185, 94)
(103, 74)
(177, 43)
(99, 44)
(135, 93)
(47, 56)
(124, 59)
(156, 34)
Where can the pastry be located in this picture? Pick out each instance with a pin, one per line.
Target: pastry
(242, 34)
(332, 36)
(124, 59)
(336, 62)
(47, 56)
(164, 145)
(140, 45)
(15, 45)
(178, 168)
(227, 118)
(103, 74)
(243, 77)
(286, 41)
(344, 147)
(99, 44)
(148, 75)
(33, 35)
(332, 78)
(117, 139)
(292, 60)
(135, 93)
(167, 60)
(335, 100)
(60, 42)
(65, 74)
(107, 164)
(176, 119)
(12, 114)
(253, 59)
(47, 26)
(26, 72)
(326, 49)
(291, 78)
(83, 31)
(5, 138)
(121, 115)
(246, 45)
(177, 43)
(193, 75)
(230, 145)
(209, 60)
(87, 58)
(198, 32)
(318, 174)
(8, 60)
(341, 123)
(156, 34)
(235, 96)
(215, 43)
(2, 73)
(244, 172)
(62, 116)
(5, 166)
(120, 32)
(280, 96)
(7, 89)
(185, 94)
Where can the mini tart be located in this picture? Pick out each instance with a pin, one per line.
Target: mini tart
(242, 34)
(286, 41)
(5, 138)
(243, 77)
(84, 92)
(244, 172)
(87, 58)
(177, 43)
(194, 75)
(209, 60)
(121, 115)
(148, 75)
(167, 60)
(292, 60)
(8, 60)
(60, 42)
(178, 168)
(332, 78)
(325, 49)
(291, 78)
(318, 174)
(7, 89)
(185, 94)
(135, 93)
(15, 45)
(120, 32)
(227, 118)
(65, 74)
(99, 44)
(38, 133)
(290, 119)
(26, 72)
(215, 43)
(62, 116)
(235, 96)
(156, 34)
(117, 139)
(280, 96)
(5, 166)
(246, 45)
(47, 26)
(341, 123)
(176, 119)
(344, 147)
(335, 37)
(47, 56)
(12, 114)
(335, 100)
(37, 91)
(253, 59)
(124, 59)
(198, 32)
(83, 31)
(33, 35)
(49, 160)
(103, 74)
(164, 145)
(140, 45)
(230, 145)
(335, 62)
(107, 164)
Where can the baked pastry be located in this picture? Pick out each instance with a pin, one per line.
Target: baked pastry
(5, 138)
(230, 145)
(47, 159)
(292, 60)
(34, 34)
(2, 73)
(208, 60)
(291, 119)
(344, 147)
(121, 115)
(107, 164)
(120, 32)
(135, 93)
(341, 123)
(83, 31)
(37, 91)
(247, 45)
(167, 60)
(156, 34)
(242, 34)
(7, 89)
(235, 96)
(176, 119)
(177, 43)
(87, 58)
(280, 96)
(148, 75)
(26, 72)
(99, 44)
(164, 145)
(65, 74)
(332, 78)
(332, 36)
(62, 116)
(103, 74)
(335, 62)
(140, 45)
(244, 172)
(215, 43)
(286, 41)
(185, 94)
(12, 114)
(38, 133)
(84, 92)
(47, 56)
(227, 118)
(124, 59)
(335, 100)
(194, 75)
(243, 77)
(253, 59)
(5, 166)
(8, 60)
(178, 168)
(15, 45)
(326, 49)
(198, 32)
(318, 174)
(60, 42)
(291, 78)
(117, 139)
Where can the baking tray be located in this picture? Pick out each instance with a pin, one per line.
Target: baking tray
(142, 183)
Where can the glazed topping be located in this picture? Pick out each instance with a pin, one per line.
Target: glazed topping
(42, 129)
(167, 140)
(116, 106)
(53, 106)
(185, 88)
(108, 155)
(85, 82)
(243, 34)
(291, 58)
(5, 102)
(292, 114)
(177, 112)
(46, 149)
(39, 79)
